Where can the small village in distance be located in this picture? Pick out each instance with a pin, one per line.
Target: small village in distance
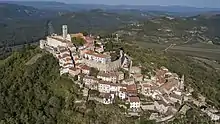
(116, 79)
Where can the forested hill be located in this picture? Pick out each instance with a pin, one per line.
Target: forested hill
(13, 11)
(31, 91)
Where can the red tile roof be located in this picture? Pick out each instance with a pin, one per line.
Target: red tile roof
(169, 85)
(84, 67)
(68, 59)
(134, 99)
(110, 74)
(131, 87)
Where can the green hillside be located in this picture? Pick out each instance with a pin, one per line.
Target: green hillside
(37, 94)
(167, 30)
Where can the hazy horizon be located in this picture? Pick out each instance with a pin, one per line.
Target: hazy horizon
(190, 3)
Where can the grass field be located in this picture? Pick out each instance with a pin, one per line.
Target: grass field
(198, 50)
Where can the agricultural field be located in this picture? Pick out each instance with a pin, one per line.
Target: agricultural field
(198, 50)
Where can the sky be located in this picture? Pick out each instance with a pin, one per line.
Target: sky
(193, 3)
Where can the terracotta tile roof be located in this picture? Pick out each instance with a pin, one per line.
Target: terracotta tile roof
(134, 99)
(131, 87)
(67, 64)
(169, 85)
(84, 67)
(109, 74)
(68, 59)
(91, 77)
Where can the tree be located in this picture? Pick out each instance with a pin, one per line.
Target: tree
(93, 72)
(109, 46)
(78, 41)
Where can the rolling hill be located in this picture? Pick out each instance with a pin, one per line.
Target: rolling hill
(13, 11)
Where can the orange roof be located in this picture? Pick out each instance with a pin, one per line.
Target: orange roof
(110, 74)
(68, 59)
(67, 64)
(131, 87)
(84, 67)
(73, 69)
(134, 99)
(169, 85)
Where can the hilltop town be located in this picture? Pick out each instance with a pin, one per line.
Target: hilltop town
(109, 80)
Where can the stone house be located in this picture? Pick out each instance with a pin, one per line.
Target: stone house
(74, 71)
(104, 86)
(134, 103)
(122, 93)
(85, 69)
(120, 75)
(161, 106)
(138, 77)
(107, 98)
(110, 77)
(91, 82)
(129, 81)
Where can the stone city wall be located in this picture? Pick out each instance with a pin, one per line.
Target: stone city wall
(111, 66)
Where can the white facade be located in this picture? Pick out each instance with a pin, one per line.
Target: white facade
(135, 105)
(64, 71)
(113, 88)
(74, 72)
(122, 95)
(99, 58)
(104, 88)
(55, 42)
(42, 44)
(91, 82)
(107, 77)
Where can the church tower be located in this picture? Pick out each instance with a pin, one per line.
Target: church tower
(65, 31)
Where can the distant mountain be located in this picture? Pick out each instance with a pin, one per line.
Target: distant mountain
(13, 11)
(176, 10)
